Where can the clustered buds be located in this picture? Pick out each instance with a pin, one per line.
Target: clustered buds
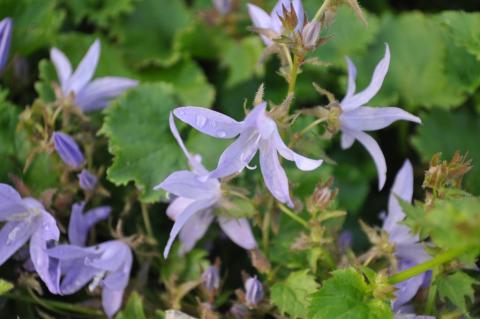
(442, 174)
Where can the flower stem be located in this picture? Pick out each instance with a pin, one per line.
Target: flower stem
(432, 293)
(321, 11)
(293, 216)
(146, 220)
(429, 264)
(293, 74)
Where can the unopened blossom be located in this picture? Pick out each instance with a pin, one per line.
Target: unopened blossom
(253, 291)
(408, 250)
(211, 278)
(89, 94)
(25, 219)
(356, 118)
(197, 195)
(81, 222)
(272, 23)
(68, 150)
(87, 180)
(257, 132)
(5, 39)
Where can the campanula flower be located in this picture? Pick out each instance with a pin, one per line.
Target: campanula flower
(107, 264)
(87, 180)
(257, 132)
(408, 250)
(272, 23)
(192, 210)
(26, 219)
(253, 291)
(68, 150)
(89, 95)
(356, 118)
(211, 278)
(5, 39)
(81, 223)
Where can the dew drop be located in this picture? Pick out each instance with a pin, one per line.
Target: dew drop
(222, 134)
(201, 120)
(12, 235)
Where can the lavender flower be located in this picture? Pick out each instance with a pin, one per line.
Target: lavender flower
(68, 150)
(26, 219)
(192, 209)
(257, 132)
(89, 95)
(253, 291)
(357, 118)
(211, 278)
(81, 223)
(87, 180)
(5, 39)
(107, 264)
(408, 250)
(272, 23)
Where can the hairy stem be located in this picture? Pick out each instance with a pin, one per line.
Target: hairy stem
(293, 216)
(293, 74)
(429, 264)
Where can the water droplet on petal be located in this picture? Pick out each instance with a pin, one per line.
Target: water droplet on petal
(12, 235)
(201, 120)
(222, 133)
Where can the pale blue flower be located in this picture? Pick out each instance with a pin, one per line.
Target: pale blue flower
(356, 118)
(89, 95)
(257, 132)
(197, 195)
(68, 150)
(26, 219)
(271, 22)
(5, 39)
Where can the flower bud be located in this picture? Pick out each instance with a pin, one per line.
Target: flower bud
(239, 311)
(211, 278)
(322, 196)
(345, 240)
(5, 37)
(311, 35)
(254, 291)
(87, 180)
(68, 150)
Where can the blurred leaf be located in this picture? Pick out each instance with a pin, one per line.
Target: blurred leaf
(47, 75)
(456, 288)
(191, 41)
(35, 23)
(186, 267)
(99, 12)
(464, 28)
(42, 174)
(5, 286)
(8, 124)
(448, 132)
(347, 295)
(133, 309)
(139, 138)
(291, 296)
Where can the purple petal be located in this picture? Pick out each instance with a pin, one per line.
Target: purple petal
(113, 253)
(366, 95)
(346, 141)
(13, 236)
(62, 66)
(273, 174)
(352, 76)
(10, 202)
(256, 118)
(96, 94)
(111, 301)
(81, 223)
(68, 150)
(253, 291)
(412, 253)
(302, 162)
(189, 185)
(70, 252)
(194, 229)
(85, 70)
(239, 231)
(5, 39)
(407, 289)
(118, 280)
(209, 122)
(372, 147)
(76, 276)
(183, 218)
(87, 180)
(374, 118)
(261, 20)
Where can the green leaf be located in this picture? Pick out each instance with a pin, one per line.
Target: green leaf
(347, 295)
(8, 123)
(143, 148)
(101, 13)
(448, 132)
(133, 309)
(47, 76)
(456, 288)
(291, 296)
(464, 28)
(5, 286)
(35, 23)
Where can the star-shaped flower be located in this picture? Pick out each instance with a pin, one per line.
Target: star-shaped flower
(89, 95)
(192, 210)
(257, 132)
(356, 118)
(26, 219)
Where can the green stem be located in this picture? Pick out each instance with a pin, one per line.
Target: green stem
(322, 10)
(146, 220)
(432, 293)
(293, 74)
(266, 226)
(423, 267)
(293, 216)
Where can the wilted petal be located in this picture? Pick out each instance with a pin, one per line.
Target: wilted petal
(12, 237)
(239, 231)
(209, 122)
(80, 223)
(194, 229)
(5, 39)
(96, 94)
(260, 20)
(366, 95)
(273, 174)
(374, 118)
(189, 185)
(87, 180)
(352, 76)
(86, 69)
(68, 150)
(372, 147)
(62, 66)
(302, 162)
(182, 219)
(111, 301)
(277, 12)
(10, 202)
